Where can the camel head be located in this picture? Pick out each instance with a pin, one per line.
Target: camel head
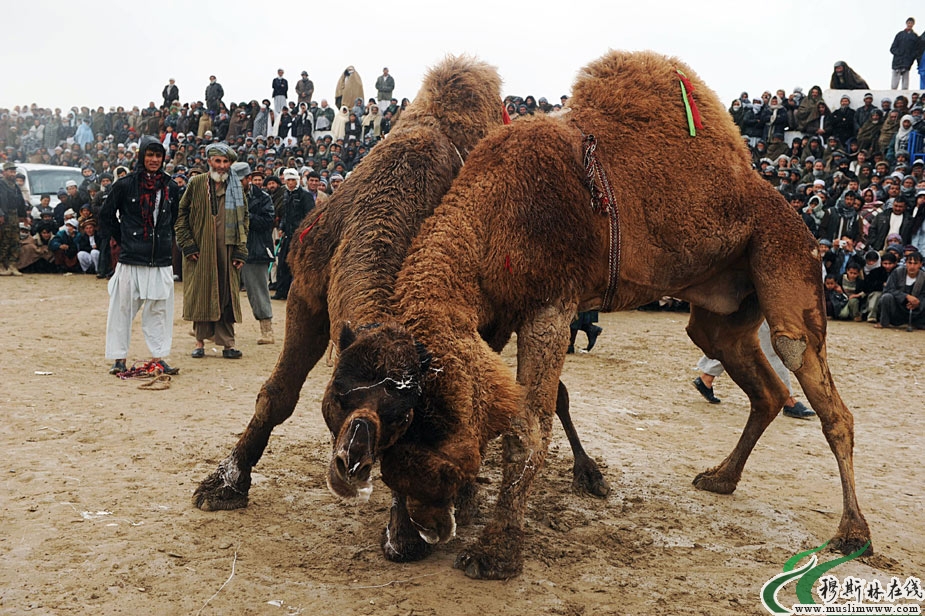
(370, 402)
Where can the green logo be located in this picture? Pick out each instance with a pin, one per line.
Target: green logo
(808, 575)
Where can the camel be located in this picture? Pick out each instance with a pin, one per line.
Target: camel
(610, 206)
(349, 250)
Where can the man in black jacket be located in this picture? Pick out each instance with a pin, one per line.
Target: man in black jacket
(296, 204)
(139, 215)
(255, 273)
(903, 294)
(171, 93)
(905, 50)
(280, 92)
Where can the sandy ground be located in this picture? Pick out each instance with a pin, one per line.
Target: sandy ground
(97, 477)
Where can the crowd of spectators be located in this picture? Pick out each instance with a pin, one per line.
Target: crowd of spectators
(848, 172)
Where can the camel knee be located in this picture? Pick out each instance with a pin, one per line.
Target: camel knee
(790, 351)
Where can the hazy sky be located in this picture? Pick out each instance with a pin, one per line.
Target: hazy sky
(57, 53)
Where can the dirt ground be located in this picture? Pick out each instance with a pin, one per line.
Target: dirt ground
(97, 478)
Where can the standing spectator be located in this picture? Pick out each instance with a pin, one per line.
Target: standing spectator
(171, 92)
(905, 50)
(297, 202)
(280, 91)
(255, 273)
(304, 89)
(12, 207)
(901, 303)
(212, 234)
(921, 68)
(139, 218)
(264, 119)
(385, 84)
(214, 95)
(349, 87)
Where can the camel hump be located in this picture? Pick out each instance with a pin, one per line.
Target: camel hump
(463, 94)
(643, 89)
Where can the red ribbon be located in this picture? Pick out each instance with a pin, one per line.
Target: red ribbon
(507, 264)
(689, 87)
(504, 115)
(309, 228)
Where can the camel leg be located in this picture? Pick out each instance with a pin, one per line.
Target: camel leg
(796, 317)
(401, 541)
(304, 344)
(838, 427)
(586, 476)
(733, 340)
(541, 346)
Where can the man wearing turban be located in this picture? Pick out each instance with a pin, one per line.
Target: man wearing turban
(211, 232)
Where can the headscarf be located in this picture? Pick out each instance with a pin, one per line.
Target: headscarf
(902, 135)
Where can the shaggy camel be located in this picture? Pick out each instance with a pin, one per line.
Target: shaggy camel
(350, 249)
(524, 240)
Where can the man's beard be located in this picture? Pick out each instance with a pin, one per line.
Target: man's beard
(218, 177)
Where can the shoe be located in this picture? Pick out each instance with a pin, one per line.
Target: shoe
(118, 366)
(198, 353)
(14, 271)
(799, 411)
(279, 296)
(593, 332)
(4, 271)
(167, 368)
(266, 332)
(706, 392)
(232, 354)
(571, 349)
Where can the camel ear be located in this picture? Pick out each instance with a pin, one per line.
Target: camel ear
(424, 356)
(347, 337)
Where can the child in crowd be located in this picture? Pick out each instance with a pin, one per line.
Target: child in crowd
(852, 287)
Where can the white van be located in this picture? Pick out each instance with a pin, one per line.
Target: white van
(47, 180)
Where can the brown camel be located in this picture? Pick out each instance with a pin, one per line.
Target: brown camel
(524, 240)
(350, 249)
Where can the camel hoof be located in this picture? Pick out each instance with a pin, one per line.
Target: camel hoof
(849, 545)
(588, 479)
(217, 493)
(711, 481)
(404, 547)
(480, 565)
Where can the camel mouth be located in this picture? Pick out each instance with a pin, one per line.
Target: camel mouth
(349, 490)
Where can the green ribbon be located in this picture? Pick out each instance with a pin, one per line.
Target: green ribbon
(687, 108)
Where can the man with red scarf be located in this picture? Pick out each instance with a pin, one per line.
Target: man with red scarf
(139, 215)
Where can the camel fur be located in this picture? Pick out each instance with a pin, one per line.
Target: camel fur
(517, 246)
(349, 250)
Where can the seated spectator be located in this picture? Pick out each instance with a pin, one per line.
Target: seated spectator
(88, 246)
(852, 286)
(64, 246)
(876, 271)
(844, 78)
(903, 294)
(35, 255)
(835, 298)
